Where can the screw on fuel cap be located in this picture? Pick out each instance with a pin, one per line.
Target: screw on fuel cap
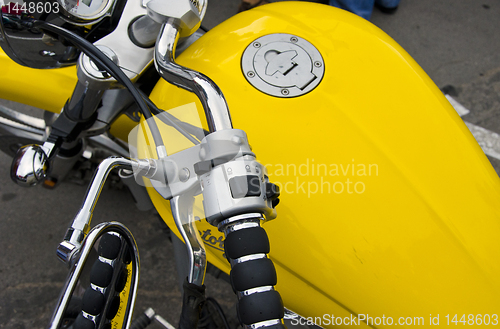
(282, 65)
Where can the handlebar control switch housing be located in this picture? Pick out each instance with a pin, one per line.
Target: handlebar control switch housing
(233, 182)
(237, 187)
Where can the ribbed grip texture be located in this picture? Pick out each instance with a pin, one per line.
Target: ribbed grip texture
(108, 277)
(252, 272)
(246, 242)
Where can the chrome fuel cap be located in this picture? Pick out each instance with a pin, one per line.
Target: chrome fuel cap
(282, 65)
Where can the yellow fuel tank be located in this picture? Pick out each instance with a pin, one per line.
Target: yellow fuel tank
(389, 208)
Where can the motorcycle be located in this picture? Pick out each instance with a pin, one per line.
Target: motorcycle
(346, 248)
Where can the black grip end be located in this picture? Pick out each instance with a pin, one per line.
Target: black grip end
(260, 307)
(110, 246)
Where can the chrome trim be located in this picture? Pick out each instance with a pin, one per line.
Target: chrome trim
(240, 226)
(21, 126)
(97, 288)
(263, 324)
(247, 258)
(182, 211)
(150, 313)
(80, 225)
(247, 217)
(30, 165)
(210, 95)
(18, 117)
(106, 261)
(82, 219)
(82, 20)
(252, 291)
(76, 271)
(66, 251)
(163, 322)
(88, 316)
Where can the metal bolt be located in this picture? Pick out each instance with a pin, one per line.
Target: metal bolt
(256, 44)
(285, 92)
(318, 64)
(184, 175)
(250, 74)
(203, 153)
(294, 39)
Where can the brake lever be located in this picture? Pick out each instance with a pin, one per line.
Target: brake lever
(193, 297)
(182, 211)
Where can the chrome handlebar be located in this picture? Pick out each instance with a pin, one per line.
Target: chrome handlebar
(210, 95)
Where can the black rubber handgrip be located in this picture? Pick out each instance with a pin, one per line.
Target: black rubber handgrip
(83, 323)
(192, 301)
(101, 274)
(246, 242)
(141, 322)
(110, 246)
(121, 280)
(114, 306)
(252, 274)
(260, 307)
(93, 302)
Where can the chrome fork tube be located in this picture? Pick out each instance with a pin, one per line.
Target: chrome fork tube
(210, 95)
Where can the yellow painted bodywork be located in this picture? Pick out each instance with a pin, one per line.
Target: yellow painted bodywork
(389, 207)
(46, 89)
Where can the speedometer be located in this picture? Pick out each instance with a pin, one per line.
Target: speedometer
(85, 12)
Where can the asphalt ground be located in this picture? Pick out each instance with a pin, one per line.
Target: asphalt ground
(457, 42)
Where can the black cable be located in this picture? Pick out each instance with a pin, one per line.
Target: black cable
(184, 128)
(220, 311)
(103, 61)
